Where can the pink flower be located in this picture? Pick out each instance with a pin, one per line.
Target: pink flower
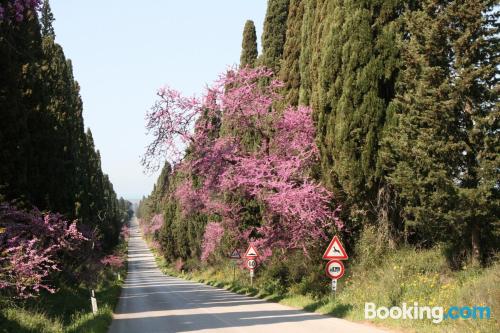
(211, 239)
(113, 261)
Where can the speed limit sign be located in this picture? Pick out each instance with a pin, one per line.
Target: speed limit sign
(251, 264)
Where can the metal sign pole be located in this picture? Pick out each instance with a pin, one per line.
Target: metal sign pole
(334, 288)
(234, 271)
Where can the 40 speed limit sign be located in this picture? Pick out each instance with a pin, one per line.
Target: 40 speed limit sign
(335, 269)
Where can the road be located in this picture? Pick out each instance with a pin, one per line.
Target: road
(153, 302)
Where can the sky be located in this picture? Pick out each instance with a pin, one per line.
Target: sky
(123, 51)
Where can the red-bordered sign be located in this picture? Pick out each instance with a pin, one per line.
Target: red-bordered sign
(251, 264)
(335, 269)
(335, 250)
(251, 252)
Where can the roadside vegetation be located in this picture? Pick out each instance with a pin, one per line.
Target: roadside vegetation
(68, 310)
(379, 276)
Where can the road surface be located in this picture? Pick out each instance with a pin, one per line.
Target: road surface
(153, 302)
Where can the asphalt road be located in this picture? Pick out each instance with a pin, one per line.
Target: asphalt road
(153, 302)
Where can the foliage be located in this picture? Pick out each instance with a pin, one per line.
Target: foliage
(249, 51)
(68, 310)
(17, 9)
(290, 70)
(273, 36)
(444, 145)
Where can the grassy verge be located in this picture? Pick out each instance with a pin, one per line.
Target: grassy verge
(66, 311)
(405, 275)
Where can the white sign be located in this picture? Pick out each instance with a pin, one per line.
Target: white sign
(251, 252)
(335, 250)
(335, 269)
(251, 264)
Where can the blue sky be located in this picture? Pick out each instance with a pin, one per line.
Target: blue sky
(123, 51)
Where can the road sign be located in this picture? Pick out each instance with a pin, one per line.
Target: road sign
(335, 269)
(251, 264)
(235, 254)
(335, 250)
(251, 252)
(334, 285)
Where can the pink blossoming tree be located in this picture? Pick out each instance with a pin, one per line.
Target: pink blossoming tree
(150, 227)
(113, 261)
(31, 247)
(213, 235)
(220, 164)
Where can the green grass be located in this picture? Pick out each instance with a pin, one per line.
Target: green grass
(405, 275)
(66, 311)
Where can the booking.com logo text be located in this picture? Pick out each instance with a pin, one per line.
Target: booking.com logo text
(436, 313)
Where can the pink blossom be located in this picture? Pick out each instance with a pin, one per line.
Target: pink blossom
(211, 239)
(113, 261)
(156, 223)
(151, 226)
(17, 9)
(125, 232)
(32, 245)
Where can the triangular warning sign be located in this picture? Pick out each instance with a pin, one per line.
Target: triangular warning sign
(235, 254)
(335, 250)
(251, 252)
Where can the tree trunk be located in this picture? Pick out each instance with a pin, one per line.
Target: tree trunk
(476, 246)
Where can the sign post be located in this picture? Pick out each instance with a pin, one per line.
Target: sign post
(334, 287)
(251, 254)
(251, 277)
(335, 268)
(235, 256)
(93, 302)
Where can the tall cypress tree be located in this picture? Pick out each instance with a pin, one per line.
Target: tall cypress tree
(249, 51)
(273, 37)
(290, 71)
(47, 20)
(351, 74)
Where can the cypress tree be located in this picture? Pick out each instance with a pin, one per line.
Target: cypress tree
(290, 71)
(446, 142)
(249, 45)
(14, 135)
(47, 161)
(314, 21)
(47, 19)
(273, 37)
(351, 74)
